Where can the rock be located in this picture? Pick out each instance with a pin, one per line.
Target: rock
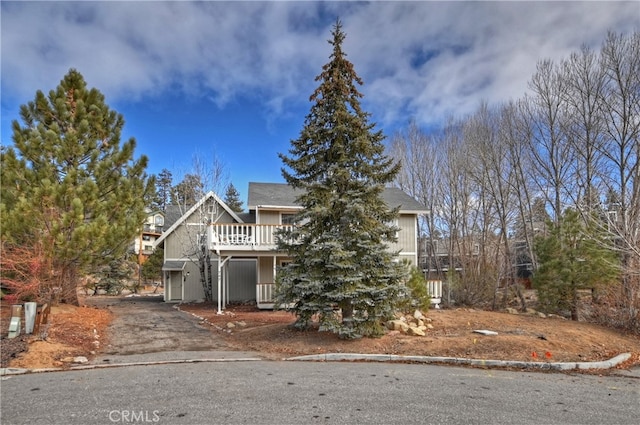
(415, 331)
(422, 328)
(485, 332)
(241, 323)
(542, 315)
(420, 323)
(429, 326)
(511, 310)
(67, 360)
(530, 311)
(230, 325)
(397, 325)
(80, 359)
(418, 315)
(428, 319)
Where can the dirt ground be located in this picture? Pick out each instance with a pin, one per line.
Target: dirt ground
(81, 331)
(524, 337)
(71, 331)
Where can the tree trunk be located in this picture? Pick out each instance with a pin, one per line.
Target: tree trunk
(574, 303)
(68, 287)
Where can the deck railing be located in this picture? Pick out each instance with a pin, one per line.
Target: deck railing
(244, 236)
(264, 295)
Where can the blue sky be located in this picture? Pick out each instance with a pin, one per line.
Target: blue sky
(231, 80)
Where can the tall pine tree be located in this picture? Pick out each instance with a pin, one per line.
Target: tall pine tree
(232, 198)
(164, 186)
(342, 269)
(68, 185)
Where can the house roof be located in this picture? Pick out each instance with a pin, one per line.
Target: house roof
(193, 209)
(281, 195)
(173, 265)
(172, 213)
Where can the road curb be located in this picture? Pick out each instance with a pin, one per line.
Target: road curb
(7, 371)
(353, 357)
(337, 357)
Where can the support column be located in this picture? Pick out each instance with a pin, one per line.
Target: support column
(219, 285)
(221, 268)
(273, 273)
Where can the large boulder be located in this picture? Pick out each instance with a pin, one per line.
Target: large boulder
(415, 331)
(397, 325)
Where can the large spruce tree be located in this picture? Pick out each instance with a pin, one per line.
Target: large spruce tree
(342, 269)
(69, 187)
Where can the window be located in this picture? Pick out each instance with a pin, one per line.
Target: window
(287, 218)
(159, 220)
(146, 237)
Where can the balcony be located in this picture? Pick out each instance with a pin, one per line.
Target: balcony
(243, 237)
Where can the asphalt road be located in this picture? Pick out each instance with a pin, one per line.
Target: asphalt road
(262, 392)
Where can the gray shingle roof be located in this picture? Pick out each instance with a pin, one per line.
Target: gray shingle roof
(283, 195)
(171, 214)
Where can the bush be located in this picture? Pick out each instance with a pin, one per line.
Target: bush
(417, 296)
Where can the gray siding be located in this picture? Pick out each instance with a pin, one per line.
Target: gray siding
(192, 287)
(407, 243)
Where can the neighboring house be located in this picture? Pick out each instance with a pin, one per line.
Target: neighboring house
(151, 230)
(243, 246)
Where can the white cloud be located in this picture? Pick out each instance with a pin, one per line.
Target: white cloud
(422, 59)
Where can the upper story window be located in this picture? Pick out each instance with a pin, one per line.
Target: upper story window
(159, 220)
(287, 218)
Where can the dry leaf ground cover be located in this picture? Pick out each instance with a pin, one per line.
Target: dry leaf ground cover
(81, 331)
(71, 331)
(523, 337)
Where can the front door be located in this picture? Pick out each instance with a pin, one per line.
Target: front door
(175, 286)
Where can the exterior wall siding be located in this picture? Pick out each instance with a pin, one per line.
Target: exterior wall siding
(268, 217)
(192, 288)
(407, 243)
(265, 271)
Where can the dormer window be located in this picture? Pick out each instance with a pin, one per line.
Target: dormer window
(159, 220)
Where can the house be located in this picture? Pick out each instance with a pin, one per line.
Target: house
(244, 258)
(152, 229)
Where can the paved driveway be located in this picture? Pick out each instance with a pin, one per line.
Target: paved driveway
(147, 329)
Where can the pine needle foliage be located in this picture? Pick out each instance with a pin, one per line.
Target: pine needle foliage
(342, 271)
(232, 198)
(572, 257)
(69, 186)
